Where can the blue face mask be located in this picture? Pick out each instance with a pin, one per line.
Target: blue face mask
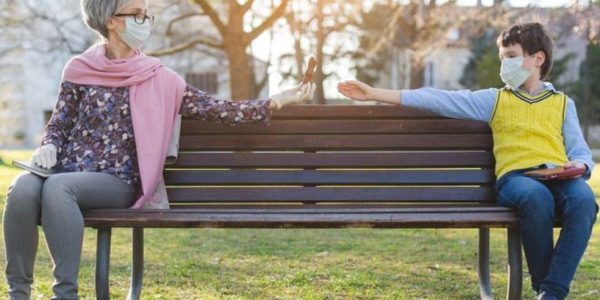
(135, 35)
(513, 73)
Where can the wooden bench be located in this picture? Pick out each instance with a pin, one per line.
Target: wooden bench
(327, 167)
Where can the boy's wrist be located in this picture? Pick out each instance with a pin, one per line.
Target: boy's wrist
(385, 95)
(373, 93)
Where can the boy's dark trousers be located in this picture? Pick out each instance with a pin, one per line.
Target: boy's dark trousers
(538, 202)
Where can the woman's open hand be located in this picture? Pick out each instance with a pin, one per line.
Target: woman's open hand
(356, 90)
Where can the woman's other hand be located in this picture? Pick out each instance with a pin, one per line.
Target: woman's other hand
(44, 156)
(295, 95)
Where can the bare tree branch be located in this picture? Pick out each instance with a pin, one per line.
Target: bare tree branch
(187, 45)
(267, 23)
(213, 15)
(337, 27)
(247, 5)
(180, 18)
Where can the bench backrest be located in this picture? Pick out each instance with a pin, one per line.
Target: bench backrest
(335, 154)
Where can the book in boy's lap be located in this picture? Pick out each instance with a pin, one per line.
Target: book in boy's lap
(560, 173)
(34, 169)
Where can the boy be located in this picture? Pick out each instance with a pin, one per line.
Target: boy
(534, 126)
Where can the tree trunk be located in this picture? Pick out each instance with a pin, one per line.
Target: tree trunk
(321, 35)
(242, 79)
(299, 56)
(417, 74)
(297, 30)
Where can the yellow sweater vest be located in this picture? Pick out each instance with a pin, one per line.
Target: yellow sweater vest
(527, 131)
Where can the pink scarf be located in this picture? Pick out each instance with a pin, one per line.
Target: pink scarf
(155, 94)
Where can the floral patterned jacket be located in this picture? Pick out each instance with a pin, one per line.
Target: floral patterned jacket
(92, 129)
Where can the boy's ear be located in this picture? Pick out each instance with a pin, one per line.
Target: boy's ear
(539, 59)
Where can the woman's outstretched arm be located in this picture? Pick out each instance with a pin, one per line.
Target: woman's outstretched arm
(199, 105)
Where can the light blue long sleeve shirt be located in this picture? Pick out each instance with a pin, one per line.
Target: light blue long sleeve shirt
(479, 106)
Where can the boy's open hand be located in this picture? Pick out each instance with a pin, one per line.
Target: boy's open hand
(356, 90)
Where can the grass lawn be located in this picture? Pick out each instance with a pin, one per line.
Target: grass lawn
(301, 263)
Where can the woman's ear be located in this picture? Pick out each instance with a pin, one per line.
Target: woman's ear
(112, 24)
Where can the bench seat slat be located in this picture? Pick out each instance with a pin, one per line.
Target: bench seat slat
(337, 207)
(351, 112)
(247, 177)
(339, 127)
(463, 219)
(468, 159)
(337, 142)
(331, 194)
(309, 209)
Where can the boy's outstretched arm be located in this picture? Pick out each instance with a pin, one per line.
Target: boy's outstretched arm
(464, 104)
(361, 91)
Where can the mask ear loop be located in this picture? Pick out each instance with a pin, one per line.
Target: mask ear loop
(124, 23)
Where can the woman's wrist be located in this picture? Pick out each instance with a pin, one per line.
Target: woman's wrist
(274, 105)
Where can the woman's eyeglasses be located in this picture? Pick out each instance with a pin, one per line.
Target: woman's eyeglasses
(139, 18)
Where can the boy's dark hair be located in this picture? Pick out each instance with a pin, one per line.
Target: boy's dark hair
(533, 37)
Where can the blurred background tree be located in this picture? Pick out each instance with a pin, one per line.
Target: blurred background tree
(320, 28)
(416, 29)
(234, 39)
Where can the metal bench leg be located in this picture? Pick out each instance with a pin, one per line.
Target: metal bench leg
(103, 263)
(515, 264)
(137, 270)
(483, 265)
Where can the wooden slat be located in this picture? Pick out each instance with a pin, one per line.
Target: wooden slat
(422, 218)
(349, 194)
(337, 142)
(349, 112)
(337, 207)
(325, 209)
(339, 127)
(249, 177)
(336, 160)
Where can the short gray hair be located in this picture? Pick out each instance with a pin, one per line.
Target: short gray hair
(97, 12)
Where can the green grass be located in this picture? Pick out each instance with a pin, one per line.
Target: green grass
(301, 263)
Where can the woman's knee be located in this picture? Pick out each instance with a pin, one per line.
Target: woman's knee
(56, 190)
(24, 193)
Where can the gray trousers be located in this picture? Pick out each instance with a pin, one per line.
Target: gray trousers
(58, 201)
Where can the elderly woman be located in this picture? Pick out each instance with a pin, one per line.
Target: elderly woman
(108, 135)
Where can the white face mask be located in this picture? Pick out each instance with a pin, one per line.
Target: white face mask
(135, 35)
(513, 73)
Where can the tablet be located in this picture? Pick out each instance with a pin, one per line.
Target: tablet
(34, 169)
